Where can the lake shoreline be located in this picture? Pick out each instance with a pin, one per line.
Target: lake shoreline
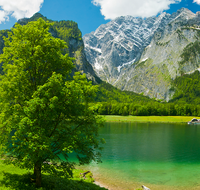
(100, 184)
(134, 167)
(149, 119)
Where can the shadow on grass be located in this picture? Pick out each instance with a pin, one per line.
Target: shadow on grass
(17, 181)
(25, 182)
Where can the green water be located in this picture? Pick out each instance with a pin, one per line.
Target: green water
(166, 155)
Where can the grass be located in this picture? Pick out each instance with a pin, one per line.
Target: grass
(152, 119)
(14, 178)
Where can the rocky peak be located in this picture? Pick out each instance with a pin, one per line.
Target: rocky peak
(120, 43)
(182, 15)
(73, 40)
(119, 50)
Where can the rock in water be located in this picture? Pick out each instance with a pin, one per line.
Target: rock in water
(145, 188)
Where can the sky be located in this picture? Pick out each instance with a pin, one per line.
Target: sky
(89, 14)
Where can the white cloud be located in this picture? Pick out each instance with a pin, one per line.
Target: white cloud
(18, 8)
(3, 16)
(196, 1)
(138, 8)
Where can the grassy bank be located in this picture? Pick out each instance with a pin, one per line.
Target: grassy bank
(153, 119)
(14, 178)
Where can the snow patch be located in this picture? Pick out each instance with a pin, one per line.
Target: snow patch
(94, 48)
(116, 38)
(193, 71)
(125, 64)
(97, 65)
(97, 49)
(126, 48)
(144, 59)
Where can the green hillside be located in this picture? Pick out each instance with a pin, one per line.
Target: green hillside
(65, 30)
(70, 33)
(186, 87)
(109, 93)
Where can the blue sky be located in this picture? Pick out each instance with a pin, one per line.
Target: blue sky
(89, 14)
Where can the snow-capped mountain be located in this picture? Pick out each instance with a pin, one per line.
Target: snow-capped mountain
(129, 52)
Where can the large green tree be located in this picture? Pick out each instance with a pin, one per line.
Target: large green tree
(44, 115)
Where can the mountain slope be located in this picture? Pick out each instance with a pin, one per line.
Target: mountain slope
(144, 56)
(187, 89)
(70, 33)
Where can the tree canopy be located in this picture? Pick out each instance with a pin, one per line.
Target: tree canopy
(44, 115)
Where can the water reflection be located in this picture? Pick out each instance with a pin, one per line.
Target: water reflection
(158, 154)
(151, 142)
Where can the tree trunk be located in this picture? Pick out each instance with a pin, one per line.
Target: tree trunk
(37, 174)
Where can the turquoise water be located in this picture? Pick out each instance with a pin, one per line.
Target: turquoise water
(162, 156)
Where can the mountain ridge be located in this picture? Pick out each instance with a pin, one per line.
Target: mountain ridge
(70, 33)
(118, 49)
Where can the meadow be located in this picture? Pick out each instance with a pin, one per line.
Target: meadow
(152, 119)
(14, 178)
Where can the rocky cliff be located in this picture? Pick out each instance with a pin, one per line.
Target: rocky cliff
(145, 55)
(70, 33)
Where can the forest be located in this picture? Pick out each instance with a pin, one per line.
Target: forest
(185, 101)
(148, 109)
(112, 101)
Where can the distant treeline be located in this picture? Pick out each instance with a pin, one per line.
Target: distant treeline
(185, 102)
(187, 89)
(109, 93)
(148, 109)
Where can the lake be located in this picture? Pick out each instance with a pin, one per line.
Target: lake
(159, 156)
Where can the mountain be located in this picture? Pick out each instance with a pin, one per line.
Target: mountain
(70, 33)
(146, 55)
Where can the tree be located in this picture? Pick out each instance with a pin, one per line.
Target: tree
(43, 116)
